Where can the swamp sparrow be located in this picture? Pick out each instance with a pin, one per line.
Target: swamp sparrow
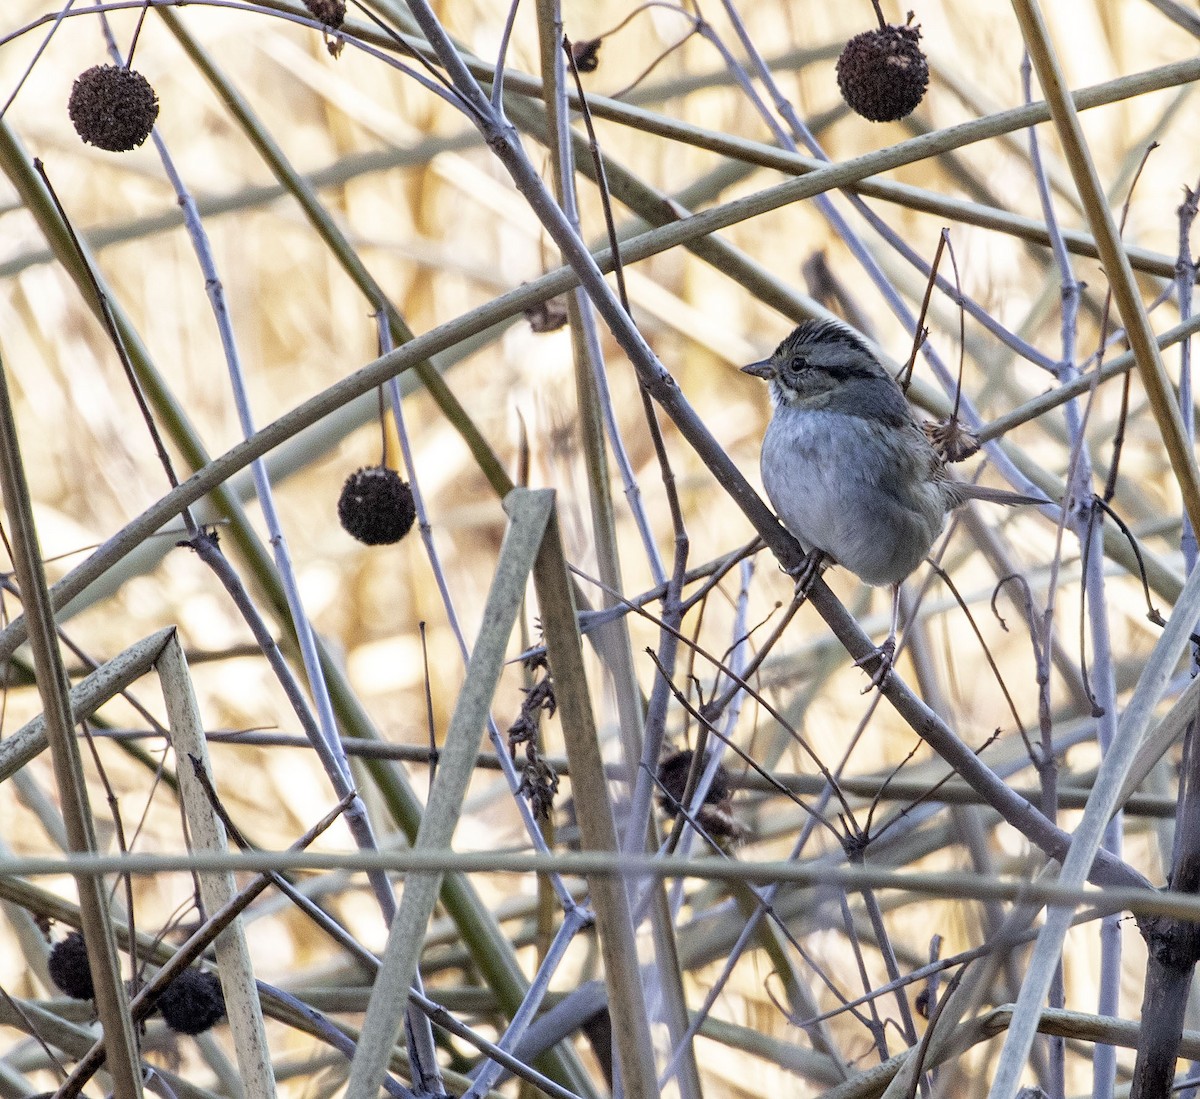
(847, 467)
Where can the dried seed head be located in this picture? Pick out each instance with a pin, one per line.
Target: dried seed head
(193, 1002)
(673, 774)
(112, 107)
(330, 12)
(586, 54)
(376, 506)
(716, 817)
(952, 439)
(68, 964)
(547, 316)
(882, 73)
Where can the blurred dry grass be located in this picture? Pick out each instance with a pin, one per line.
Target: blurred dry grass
(447, 234)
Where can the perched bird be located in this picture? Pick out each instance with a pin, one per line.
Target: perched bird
(847, 467)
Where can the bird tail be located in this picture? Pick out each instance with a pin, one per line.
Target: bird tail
(961, 491)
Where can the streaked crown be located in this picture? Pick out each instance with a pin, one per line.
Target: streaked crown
(826, 345)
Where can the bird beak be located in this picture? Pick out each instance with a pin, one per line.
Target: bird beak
(764, 369)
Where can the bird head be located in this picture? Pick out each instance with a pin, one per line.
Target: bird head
(817, 358)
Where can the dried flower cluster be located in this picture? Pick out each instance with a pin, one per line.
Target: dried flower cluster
(539, 781)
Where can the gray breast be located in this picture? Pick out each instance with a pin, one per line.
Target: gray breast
(850, 486)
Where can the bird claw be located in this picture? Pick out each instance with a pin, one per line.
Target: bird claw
(806, 573)
(886, 656)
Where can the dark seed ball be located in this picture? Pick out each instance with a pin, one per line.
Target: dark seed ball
(882, 73)
(330, 12)
(113, 108)
(586, 54)
(547, 316)
(192, 1002)
(68, 964)
(673, 774)
(376, 506)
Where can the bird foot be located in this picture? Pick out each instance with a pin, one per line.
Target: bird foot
(806, 573)
(885, 655)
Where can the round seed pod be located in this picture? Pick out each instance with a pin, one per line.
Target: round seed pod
(193, 1002)
(882, 73)
(586, 54)
(113, 108)
(330, 12)
(715, 817)
(68, 964)
(376, 506)
(673, 774)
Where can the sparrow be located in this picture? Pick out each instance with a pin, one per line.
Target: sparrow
(847, 467)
